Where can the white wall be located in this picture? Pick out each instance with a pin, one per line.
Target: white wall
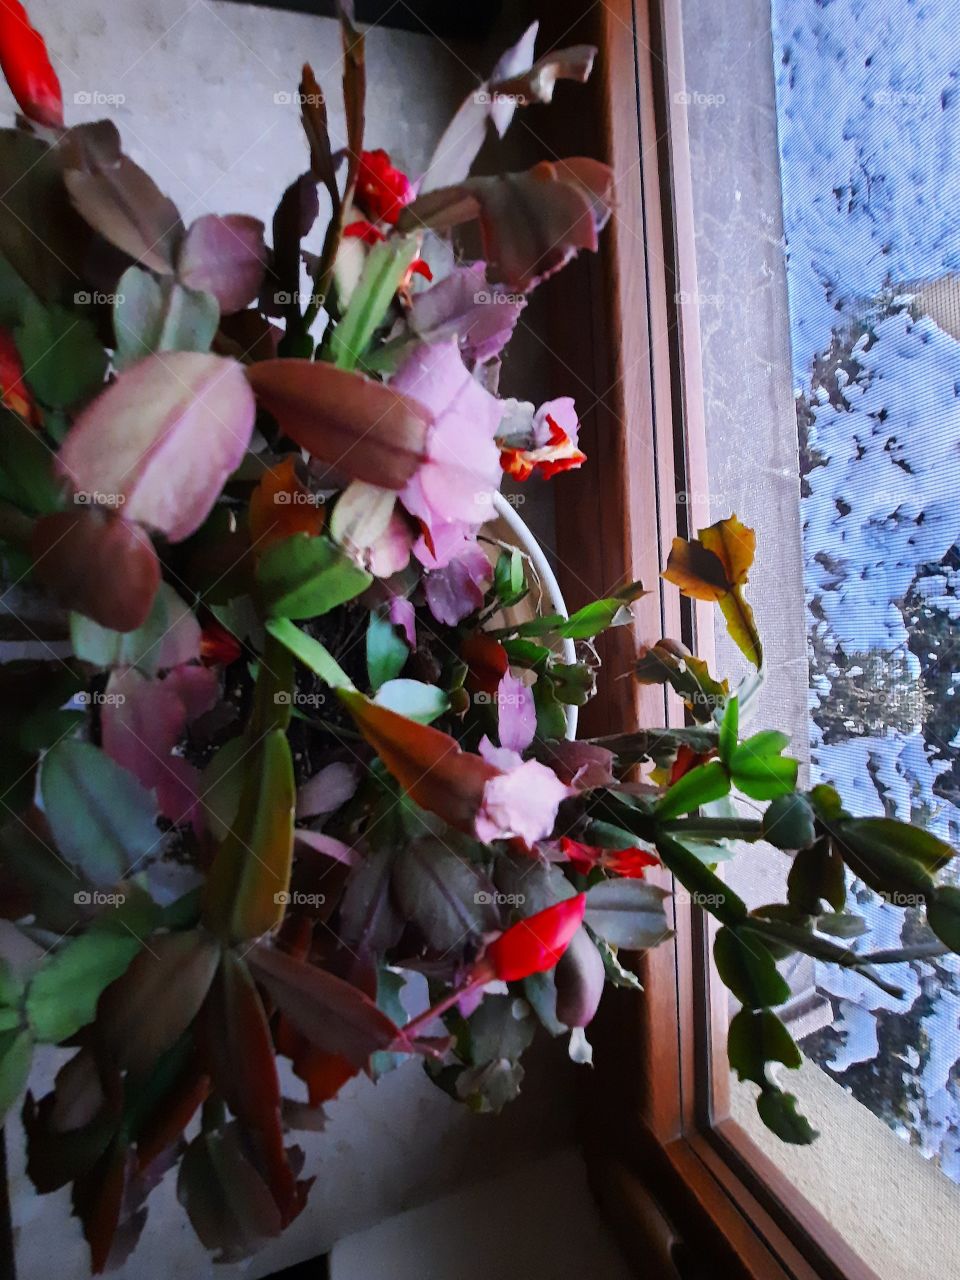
(196, 82)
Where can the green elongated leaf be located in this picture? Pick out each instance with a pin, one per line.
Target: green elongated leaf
(756, 1037)
(273, 691)
(747, 968)
(11, 985)
(817, 875)
(614, 970)
(387, 651)
(826, 802)
(222, 785)
(63, 994)
(170, 636)
(609, 836)
(63, 359)
(390, 984)
(501, 1028)
(509, 581)
(789, 822)
(383, 270)
(26, 468)
(729, 732)
(413, 699)
(698, 787)
(910, 841)
(248, 885)
(890, 856)
(448, 899)
(586, 622)
(304, 577)
(783, 913)
(310, 652)
(628, 913)
(943, 915)
(705, 888)
(551, 720)
(779, 1113)
(759, 770)
(524, 653)
(540, 992)
(152, 315)
(103, 819)
(16, 1054)
(790, 937)
(573, 683)
(841, 924)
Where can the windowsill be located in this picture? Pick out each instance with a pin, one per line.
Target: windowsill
(893, 1207)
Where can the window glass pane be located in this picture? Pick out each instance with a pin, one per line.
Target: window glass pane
(825, 143)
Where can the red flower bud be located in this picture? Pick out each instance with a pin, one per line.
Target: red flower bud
(13, 391)
(381, 190)
(364, 231)
(218, 646)
(23, 58)
(487, 662)
(537, 943)
(631, 863)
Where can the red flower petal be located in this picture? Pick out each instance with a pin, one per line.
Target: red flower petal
(23, 58)
(486, 660)
(559, 454)
(381, 190)
(582, 857)
(537, 943)
(419, 267)
(631, 863)
(686, 760)
(13, 390)
(218, 645)
(364, 231)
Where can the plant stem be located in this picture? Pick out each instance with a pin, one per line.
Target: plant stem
(715, 828)
(823, 949)
(478, 975)
(647, 744)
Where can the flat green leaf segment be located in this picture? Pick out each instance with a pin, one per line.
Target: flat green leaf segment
(63, 995)
(305, 577)
(103, 819)
(385, 267)
(310, 652)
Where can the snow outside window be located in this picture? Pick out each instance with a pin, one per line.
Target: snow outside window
(825, 145)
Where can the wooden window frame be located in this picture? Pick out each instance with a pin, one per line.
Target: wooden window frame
(683, 1184)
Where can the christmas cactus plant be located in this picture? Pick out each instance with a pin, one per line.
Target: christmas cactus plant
(293, 738)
